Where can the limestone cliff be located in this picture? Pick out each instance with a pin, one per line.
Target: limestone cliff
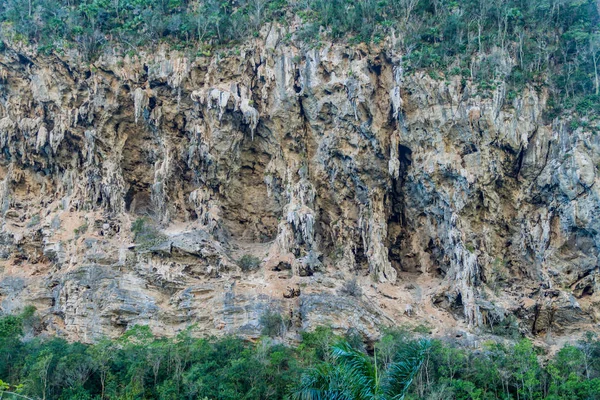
(131, 188)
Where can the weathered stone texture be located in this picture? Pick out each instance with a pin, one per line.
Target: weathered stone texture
(452, 206)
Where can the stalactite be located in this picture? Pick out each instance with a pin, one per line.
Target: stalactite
(221, 99)
(207, 210)
(62, 123)
(396, 102)
(56, 137)
(140, 102)
(159, 186)
(172, 68)
(463, 270)
(251, 115)
(373, 227)
(90, 145)
(109, 186)
(299, 225)
(394, 163)
(8, 129)
(5, 190)
(353, 90)
(29, 127)
(41, 138)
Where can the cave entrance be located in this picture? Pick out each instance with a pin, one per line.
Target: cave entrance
(137, 164)
(397, 232)
(249, 212)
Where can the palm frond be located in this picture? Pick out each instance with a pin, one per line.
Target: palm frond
(324, 382)
(401, 373)
(359, 368)
(354, 376)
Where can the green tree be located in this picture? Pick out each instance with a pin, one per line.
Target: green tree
(353, 375)
(526, 370)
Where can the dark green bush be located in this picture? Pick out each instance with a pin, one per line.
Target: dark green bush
(146, 234)
(273, 324)
(351, 288)
(249, 262)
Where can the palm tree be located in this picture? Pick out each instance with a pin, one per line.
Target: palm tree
(354, 376)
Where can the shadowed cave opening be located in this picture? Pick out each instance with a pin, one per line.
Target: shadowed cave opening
(397, 219)
(249, 213)
(139, 156)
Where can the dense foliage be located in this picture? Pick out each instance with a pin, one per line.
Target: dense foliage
(354, 375)
(549, 43)
(141, 366)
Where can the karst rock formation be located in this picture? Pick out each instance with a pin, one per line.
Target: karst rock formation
(325, 185)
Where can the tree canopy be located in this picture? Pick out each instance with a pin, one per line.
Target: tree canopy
(402, 364)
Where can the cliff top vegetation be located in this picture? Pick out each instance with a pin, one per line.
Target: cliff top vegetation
(550, 44)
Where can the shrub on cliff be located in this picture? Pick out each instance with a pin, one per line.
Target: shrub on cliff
(273, 324)
(249, 262)
(351, 288)
(146, 234)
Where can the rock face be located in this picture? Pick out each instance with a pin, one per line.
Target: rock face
(130, 189)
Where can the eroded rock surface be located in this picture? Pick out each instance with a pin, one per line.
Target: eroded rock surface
(449, 205)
